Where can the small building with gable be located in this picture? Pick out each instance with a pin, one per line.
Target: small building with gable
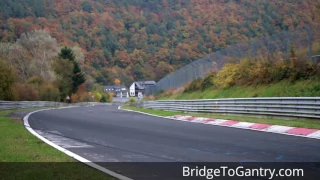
(137, 89)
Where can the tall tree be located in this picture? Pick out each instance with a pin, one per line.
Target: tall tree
(43, 50)
(78, 78)
(63, 70)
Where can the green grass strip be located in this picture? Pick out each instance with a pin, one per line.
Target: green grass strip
(28, 157)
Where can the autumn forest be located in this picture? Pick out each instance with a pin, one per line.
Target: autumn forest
(134, 40)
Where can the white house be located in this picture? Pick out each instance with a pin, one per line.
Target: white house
(132, 89)
(137, 89)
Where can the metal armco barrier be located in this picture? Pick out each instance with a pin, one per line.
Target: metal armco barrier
(300, 107)
(4, 105)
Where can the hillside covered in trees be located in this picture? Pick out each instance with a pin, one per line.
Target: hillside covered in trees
(146, 39)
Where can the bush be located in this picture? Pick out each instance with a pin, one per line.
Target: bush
(49, 93)
(132, 100)
(259, 71)
(35, 80)
(302, 71)
(26, 92)
(111, 95)
(105, 98)
(264, 71)
(87, 97)
(7, 79)
(97, 96)
(208, 82)
(195, 85)
(227, 76)
(281, 71)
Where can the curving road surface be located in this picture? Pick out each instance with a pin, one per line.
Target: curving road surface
(106, 134)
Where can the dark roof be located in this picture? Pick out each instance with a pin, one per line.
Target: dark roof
(142, 84)
(114, 87)
(147, 82)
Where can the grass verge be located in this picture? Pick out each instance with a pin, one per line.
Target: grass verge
(27, 157)
(315, 124)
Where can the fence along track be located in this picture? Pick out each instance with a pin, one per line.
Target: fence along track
(305, 40)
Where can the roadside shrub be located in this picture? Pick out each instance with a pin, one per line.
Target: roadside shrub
(258, 72)
(110, 95)
(304, 71)
(195, 85)
(301, 68)
(208, 81)
(7, 80)
(263, 70)
(281, 71)
(87, 97)
(245, 71)
(75, 98)
(132, 100)
(105, 98)
(97, 96)
(49, 93)
(227, 76)
(26, 92)
(35, 80)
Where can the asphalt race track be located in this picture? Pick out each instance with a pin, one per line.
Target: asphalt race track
(106, 134)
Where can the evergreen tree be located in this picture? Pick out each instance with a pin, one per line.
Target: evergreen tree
(77, 76)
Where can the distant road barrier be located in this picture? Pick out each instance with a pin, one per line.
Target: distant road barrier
(299, 107)
(4, 105)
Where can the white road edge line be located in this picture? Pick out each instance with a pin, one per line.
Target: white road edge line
(220, 125)
(67, 152)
